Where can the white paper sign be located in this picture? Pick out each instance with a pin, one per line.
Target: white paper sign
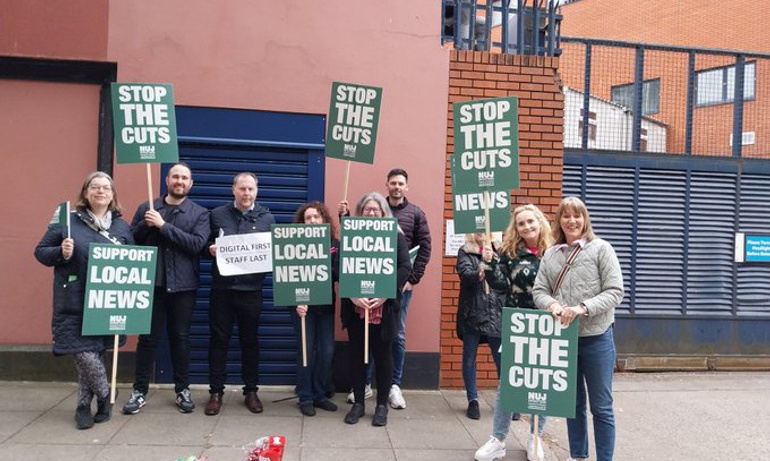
(455, 241)
(244, 254)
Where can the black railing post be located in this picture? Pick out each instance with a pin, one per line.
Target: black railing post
(737, 149)
(586, 96)
(690, 104)
(636, 134)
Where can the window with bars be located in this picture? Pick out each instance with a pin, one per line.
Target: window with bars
(624, 96)
(717, 86)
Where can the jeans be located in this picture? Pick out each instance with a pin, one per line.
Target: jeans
(501, 421)
(470, 347)
(319, 333)
(176, 311)
(399, 345)
(595, 365)
(228, 307)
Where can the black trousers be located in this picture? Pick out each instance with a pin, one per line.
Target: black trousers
(228, 308)
(175, 310)
(383, 360)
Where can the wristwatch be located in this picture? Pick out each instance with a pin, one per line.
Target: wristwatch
(586, 308)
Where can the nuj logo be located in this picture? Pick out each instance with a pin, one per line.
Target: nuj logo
(147, 150)
(486, 175)
(118, 322)
(367, 286)
(302, 293)
(480, 221)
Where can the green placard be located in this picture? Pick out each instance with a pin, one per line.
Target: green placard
(468, 210)
(539, 363)
(119, 289)
(354, 113)
(486, 145)
(145, 123)
(301, 264)
(368, 257)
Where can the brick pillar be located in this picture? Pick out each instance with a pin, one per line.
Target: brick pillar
(535, 81)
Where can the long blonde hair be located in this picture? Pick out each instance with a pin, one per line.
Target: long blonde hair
(513, 241)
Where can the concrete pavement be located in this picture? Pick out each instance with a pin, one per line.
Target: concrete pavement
(660, 416)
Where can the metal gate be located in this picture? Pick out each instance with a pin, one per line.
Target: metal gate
(286, 152)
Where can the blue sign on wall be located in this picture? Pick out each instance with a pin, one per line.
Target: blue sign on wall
(757, 248)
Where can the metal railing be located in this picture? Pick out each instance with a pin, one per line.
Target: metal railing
(497, 26)
(642, 97)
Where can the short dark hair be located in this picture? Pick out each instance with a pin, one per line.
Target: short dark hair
(180, 164)
(397, 172)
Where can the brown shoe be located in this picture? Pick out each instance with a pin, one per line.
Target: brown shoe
(253, 403)
(214, 405)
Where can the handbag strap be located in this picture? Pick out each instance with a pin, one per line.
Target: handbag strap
(566, 267)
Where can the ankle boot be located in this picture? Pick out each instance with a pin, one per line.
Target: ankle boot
(103, 410)
(83, 417)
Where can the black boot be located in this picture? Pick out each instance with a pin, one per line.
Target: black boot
(83, 417)
(355, 413)
(103, 410)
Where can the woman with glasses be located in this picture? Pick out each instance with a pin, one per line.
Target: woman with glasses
(96, 219)
(383, 327)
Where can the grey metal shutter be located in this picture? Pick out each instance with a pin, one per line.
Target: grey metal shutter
(753, 281)
(710, 243)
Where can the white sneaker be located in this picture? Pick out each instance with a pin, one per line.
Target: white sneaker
(493, 449)
(396, 398)
(531, 448)
(367, 394)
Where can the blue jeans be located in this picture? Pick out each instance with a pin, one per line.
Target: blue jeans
(501, 421)
(595, 365)
(399, 344)
(319, 335)
(470, 348)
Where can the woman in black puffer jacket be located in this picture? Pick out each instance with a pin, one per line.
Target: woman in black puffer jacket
(95, 220)
(478, 315)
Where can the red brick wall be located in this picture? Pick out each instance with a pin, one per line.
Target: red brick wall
(534, 80)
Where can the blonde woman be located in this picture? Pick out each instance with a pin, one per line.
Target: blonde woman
(513, 271)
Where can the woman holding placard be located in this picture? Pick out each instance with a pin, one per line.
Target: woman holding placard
(95, 220)
(478, 316)
(580, 277)
(513, 271)
(383, 327)
(319, 327)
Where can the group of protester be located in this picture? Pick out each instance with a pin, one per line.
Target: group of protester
(568, 271)
(182, 231)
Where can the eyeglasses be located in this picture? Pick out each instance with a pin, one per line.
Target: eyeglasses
(371, 210)
(96, 187)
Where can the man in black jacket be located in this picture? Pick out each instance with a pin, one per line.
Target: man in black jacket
(179, 228)
(236, 298)
(413, 222)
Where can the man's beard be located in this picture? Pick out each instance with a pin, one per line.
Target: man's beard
(178, 196)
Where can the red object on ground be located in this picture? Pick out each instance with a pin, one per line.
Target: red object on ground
(268, 449)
